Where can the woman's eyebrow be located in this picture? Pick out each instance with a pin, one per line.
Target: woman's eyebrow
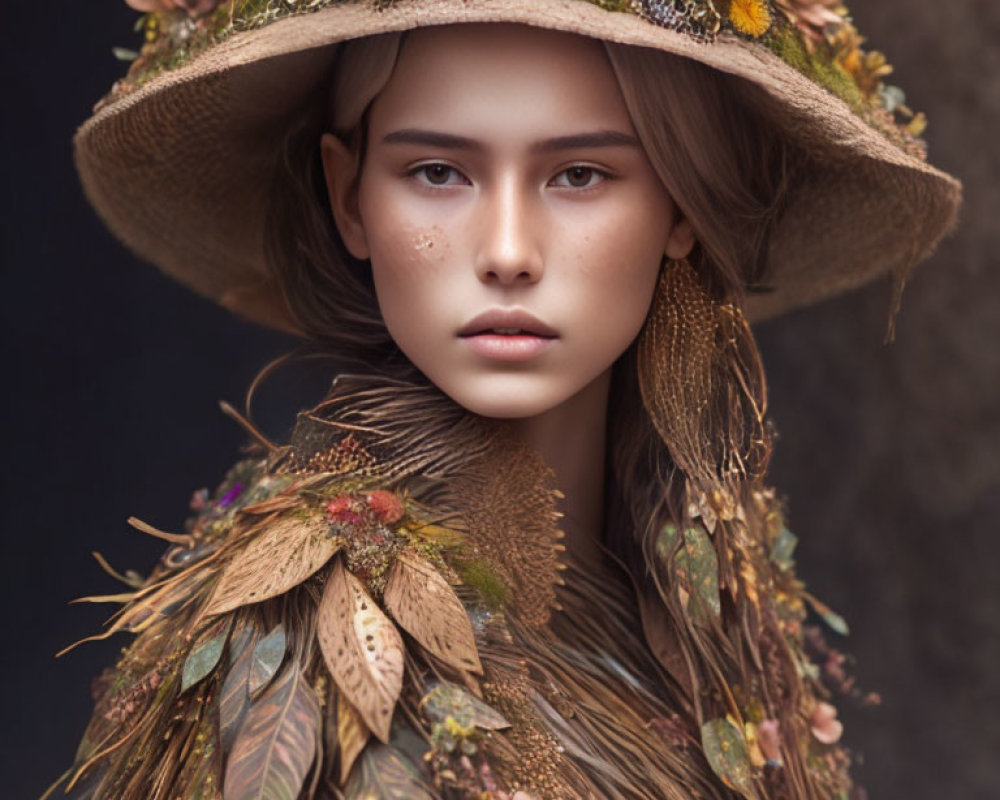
(451, 141)
(583, 140)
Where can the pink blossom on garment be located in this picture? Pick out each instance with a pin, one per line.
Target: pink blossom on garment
(769, 739)
(825, 725)
(386, 505)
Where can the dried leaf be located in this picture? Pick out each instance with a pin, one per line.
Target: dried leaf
(352, 735)
(277, 743)
(150, 604)
(205, 655)
(84, 789)
(726, 751)
(446, 700)
(283, 502)
(131, 578)
(362, 648)
(267, 658)
(235, 698)
(696, 569)
(280, 557)
(124, 597)
(423, 602)
(386, 774)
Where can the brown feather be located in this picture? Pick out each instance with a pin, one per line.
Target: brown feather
(429, 610)
(276, 745)
(362, 649)
(283, 555)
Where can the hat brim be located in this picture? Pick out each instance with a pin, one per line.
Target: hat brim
(179, 168)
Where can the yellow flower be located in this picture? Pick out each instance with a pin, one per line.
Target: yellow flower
(750, 17)
(917, 125)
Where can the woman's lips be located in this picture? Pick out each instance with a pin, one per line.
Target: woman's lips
(508, 347)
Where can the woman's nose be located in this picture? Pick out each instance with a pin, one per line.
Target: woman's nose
(509, 250)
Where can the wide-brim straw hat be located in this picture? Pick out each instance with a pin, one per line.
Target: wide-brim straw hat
(178, 159)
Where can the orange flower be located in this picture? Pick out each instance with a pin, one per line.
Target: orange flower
(750, 17)
(867, 69)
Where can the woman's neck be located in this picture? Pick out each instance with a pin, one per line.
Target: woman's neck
(571, 439)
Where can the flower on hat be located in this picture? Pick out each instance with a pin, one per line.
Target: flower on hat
(813, 16)
(866, 68)
(751, 17)
(194, 8)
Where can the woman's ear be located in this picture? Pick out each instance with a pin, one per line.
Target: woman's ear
(340, 168)
(680, 240)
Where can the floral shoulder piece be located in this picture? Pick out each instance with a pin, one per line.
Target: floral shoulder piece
(311, 633)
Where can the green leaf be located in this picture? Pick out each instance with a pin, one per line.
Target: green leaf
(205, 655)
(784, 546)
(665, 541)
(695, 568)
(235, 698)
(702, 565)
(267, 658)
(124, 54)
(451, 700)
(277, 743)
(384, 773)
(836, 622)
(726, 750)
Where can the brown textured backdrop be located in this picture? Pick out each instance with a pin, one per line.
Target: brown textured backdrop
(890, 456)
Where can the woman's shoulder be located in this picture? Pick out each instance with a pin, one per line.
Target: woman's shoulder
(273, 636)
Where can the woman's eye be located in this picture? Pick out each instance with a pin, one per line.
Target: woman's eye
(438, 174)
(579, 177)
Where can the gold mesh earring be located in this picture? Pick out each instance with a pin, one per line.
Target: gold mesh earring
(702, 383)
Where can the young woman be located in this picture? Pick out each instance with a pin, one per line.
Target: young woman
(523, 548)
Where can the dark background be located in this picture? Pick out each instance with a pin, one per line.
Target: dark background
(890, 455)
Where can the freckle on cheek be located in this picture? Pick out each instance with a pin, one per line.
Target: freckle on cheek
(423, 242)
(428, 246)
(426, 239)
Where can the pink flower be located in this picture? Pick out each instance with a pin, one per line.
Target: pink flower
(386, 505)
(825, 725)
(195, 8)
(812, 16)
(769, 739)
(343, 509)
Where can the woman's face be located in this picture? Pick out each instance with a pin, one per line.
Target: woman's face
(503, 174)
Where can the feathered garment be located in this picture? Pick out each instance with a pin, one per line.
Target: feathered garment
(383, 609)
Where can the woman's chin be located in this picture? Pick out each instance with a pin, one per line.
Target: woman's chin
(509, 398)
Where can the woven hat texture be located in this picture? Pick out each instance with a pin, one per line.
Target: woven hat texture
(178, 158)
